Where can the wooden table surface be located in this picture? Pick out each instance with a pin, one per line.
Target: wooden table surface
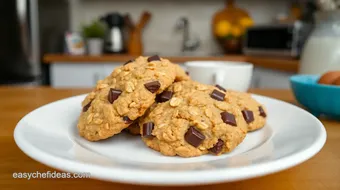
(320, 172)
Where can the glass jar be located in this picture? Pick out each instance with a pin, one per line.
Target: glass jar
(321, 52)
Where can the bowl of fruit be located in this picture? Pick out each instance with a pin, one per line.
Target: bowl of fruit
(320, 94)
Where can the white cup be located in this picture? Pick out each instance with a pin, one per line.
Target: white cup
(228, 74)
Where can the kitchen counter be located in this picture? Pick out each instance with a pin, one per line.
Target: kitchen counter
(286, 65)
(320, 172)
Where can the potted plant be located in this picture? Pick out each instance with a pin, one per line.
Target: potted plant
(94, 34)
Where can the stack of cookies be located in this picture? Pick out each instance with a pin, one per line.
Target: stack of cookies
(174, 115)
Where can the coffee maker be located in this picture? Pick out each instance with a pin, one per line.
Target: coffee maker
(114, 40)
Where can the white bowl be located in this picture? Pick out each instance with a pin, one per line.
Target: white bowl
(229, 74)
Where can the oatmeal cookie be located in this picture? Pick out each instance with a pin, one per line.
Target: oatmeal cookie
(193, 122)
(125, 95)
(253, 112)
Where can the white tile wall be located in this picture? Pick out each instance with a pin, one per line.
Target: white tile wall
(159, 35)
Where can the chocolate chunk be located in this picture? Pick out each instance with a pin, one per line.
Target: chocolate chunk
(248, 116)
(113, 95)
(186, 72)
(154, 58)
(87, 106)
(220, 87)
(217, 95)
(147, 129)
(194, 137)
(228, 118)
(217, 147)
(127, 120)
(153, 86)
(128, 62)
(262, 112)
(164, 96)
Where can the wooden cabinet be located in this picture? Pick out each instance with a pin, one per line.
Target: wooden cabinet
(267, 78)
(108, 68)
(85, 75)
(80, 75)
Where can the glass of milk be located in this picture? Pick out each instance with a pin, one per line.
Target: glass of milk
(321, 52)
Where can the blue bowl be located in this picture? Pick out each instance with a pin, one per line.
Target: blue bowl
(319, 99)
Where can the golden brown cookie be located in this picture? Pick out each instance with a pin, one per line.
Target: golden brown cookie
(134, 128)
(253, 112)
(193, 122)
(125, 95)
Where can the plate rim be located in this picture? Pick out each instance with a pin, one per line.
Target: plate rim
(126, 175)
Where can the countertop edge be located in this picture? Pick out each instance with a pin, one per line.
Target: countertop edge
(285, 65)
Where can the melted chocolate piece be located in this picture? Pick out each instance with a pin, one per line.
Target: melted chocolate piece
(228, 118)
(113, 95)
(220, 87)
(248, 116)
(194, 137)
(217, 95)
(153, 86)
(147, 129)
(217, 147)
(164, 96)
(262, 112)
(154, 58)
(87, 106)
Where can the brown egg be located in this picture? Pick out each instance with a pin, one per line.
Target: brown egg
(337, 81)
(329, 77)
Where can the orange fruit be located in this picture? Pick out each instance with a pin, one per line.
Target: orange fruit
(222, 28)
(236, 31)
(246, 22)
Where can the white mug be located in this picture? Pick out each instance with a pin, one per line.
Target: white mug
(228, 74)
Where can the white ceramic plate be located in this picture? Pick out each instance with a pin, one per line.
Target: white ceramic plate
(49, 135)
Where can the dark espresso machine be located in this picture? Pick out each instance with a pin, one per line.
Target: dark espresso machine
(114, 40)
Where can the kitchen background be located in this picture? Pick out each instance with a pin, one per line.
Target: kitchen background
(160, 34)
(180, 29)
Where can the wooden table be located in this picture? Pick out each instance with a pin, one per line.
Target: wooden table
(320, 172)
